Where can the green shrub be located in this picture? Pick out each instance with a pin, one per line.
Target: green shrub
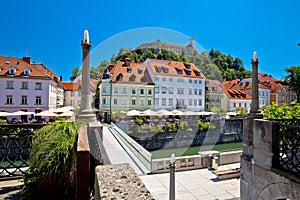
(52, 155)
(202, 125)
(273, 111)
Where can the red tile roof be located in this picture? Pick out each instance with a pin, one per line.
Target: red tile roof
(19, 65)
(134, 72)
(237, 94)
(71, 86)
(174, 68)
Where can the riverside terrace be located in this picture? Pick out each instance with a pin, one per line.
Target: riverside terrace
(106, 148)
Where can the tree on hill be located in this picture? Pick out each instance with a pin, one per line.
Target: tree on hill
(213, 64)
(293, 79)
(75, 72)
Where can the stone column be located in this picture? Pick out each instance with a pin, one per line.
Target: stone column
(85, 111)
(254, 101)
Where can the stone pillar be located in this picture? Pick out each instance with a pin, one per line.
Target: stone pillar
(254, 101)
(85, 111)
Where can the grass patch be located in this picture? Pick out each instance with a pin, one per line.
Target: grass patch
(189, 151)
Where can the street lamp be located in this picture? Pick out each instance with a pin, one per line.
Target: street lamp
(111, 80)
(172, 177)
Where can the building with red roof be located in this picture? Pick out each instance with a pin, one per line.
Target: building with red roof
(28, 86)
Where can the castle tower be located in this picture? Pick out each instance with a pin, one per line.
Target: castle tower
(85, 110)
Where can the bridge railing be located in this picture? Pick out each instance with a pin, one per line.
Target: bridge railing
(15, 146)
(141, 153)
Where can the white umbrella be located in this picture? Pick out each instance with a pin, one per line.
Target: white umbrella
(190, 113)
(3, 114)
(231, 113)
(133, 113)
(148, 113)
(205, 113)
(177, 112)
(67, 114)
(63, 109)
(20, 113)
(47, 113)
(164, 112)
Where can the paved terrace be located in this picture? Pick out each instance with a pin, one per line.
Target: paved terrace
(193, 184)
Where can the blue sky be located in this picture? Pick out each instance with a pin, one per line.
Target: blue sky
(52, 30)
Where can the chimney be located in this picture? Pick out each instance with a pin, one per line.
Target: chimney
(26, 59)
(60, 77)
(127, 62)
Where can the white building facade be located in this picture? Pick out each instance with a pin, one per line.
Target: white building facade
(178, 85)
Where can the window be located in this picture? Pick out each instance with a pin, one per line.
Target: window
(200, 92)
(144, 79)
(9, 99)
(142, 91)
(245, 105)
(164, 79)
(115, 101)
(104, 101)
(200, 102)
(171, 90)
(38, 100)
(190, 81)
(163, 90)
(190, 91)
(170, 102)
(157, 78)
(200, 81)
(24, 99)
(133, 91)
(195, 81)
(240, 104)
(9, 85)
(124, 101)
(149, 91)
(163, 101)
(234, 105)
(149, 102)
(195, 102)
(116, 90)
(24, 85)
(190, 102)
(180, 91)
(156, 101)
(38, 86)
(195, 91)
(142, 102)
(170, 79)
(124, 90)
(104, 89)
(156, 90)
(132, 78)
(132, 101)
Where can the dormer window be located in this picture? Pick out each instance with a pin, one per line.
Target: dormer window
(132, 78)
(129, 70)
(12, 70)
(7, 62)
(26, 71)
(165, 70)
(157, 69)
(188, 66)
(140, 71)
(197, 73)
(188, 72)
(179, 71)
(120, 77)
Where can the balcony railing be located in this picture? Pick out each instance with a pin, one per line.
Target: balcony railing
(15, 146)
(286, 146)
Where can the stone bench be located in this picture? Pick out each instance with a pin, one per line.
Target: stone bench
(227, 173)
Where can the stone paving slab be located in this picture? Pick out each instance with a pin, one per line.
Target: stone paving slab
(194, 184)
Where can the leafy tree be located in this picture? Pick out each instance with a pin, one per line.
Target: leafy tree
(97, 71)
(293, 79)
(273, 111)
(75, 72)
(97, 95)
(242, 112)
(219, 112)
